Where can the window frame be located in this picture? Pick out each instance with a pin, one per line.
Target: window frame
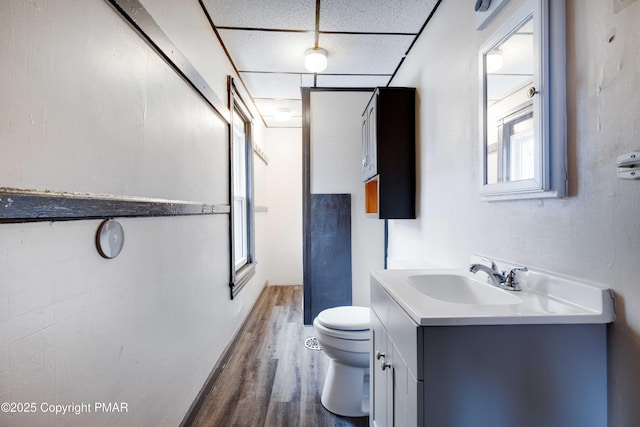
(240, 273)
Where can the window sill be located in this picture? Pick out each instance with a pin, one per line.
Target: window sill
(242, 277)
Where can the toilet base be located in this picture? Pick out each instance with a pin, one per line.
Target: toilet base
(346, 390)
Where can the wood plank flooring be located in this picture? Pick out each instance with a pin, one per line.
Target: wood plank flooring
(271, 378)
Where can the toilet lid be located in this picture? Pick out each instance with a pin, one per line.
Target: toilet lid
(349, 318)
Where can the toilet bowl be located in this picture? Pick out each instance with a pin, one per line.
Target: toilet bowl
(343, 334)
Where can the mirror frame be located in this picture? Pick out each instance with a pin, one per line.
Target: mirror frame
(549, 103)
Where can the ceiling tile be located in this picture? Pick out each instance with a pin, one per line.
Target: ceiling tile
(307, 80)
(364, 54)
(267, 108)
(501, 86)
(267, 51)
(271, 63)
(388, 16)
(279, 86)
(352, 81)
(293, 122)
(281, 14)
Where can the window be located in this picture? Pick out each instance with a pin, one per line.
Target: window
(240, 222)
(241, 194)
(511, 155)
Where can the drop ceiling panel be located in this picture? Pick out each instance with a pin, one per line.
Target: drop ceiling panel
(517, 54)
(307, 80)
(352, 81)
(293, 122)
(267, 108)
(364, 54)
(281, 14)
(266, 41)
(380, 16)
(276, 86)
(501, 86)
(267, 51)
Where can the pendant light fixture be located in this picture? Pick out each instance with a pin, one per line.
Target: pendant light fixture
(494, 61)
(282, 114)
(315, 59)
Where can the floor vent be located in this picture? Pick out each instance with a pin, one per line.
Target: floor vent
(312, 343)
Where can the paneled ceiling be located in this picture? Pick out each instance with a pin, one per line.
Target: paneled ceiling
(366, 41)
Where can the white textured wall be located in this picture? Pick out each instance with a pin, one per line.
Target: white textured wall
(335, 168)
(284, 256)
(87, 106)
(594, 234)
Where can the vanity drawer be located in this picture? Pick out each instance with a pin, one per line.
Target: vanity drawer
(403, 331)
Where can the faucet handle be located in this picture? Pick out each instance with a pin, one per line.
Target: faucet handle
(494, 267)
(512, 280)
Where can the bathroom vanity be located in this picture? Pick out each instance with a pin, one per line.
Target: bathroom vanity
(469, 354)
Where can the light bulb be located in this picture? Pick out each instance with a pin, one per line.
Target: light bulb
(315, 59)
(282, 114)
(494, 61)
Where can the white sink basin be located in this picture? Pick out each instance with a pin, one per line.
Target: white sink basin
(460, 289)
(457, 297)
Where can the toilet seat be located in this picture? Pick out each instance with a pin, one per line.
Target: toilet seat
(349, 323)
(361, 335)
(347, 318)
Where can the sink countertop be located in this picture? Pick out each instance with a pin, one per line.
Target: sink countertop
(546, 299)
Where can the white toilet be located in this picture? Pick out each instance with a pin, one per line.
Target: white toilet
(343, 333)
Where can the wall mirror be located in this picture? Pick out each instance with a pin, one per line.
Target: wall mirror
(523, 105)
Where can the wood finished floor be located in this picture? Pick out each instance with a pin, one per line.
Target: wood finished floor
(271, 378)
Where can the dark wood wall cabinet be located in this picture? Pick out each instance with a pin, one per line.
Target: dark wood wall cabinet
(388, 153)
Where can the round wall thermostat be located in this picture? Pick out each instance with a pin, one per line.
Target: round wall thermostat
(482, 5)
(110, 238)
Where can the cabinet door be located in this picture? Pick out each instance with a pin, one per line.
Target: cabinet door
(381, 381)
(396, 395)
(366, 157)
(369, 143)
(406, 393)
(373, 139)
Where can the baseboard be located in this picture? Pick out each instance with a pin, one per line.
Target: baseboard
(192, 413)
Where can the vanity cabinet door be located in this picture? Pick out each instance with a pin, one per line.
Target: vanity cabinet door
(381, 381)
(407, 394)
(395, 393)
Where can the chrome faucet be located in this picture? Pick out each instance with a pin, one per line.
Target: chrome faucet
(498, 278)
